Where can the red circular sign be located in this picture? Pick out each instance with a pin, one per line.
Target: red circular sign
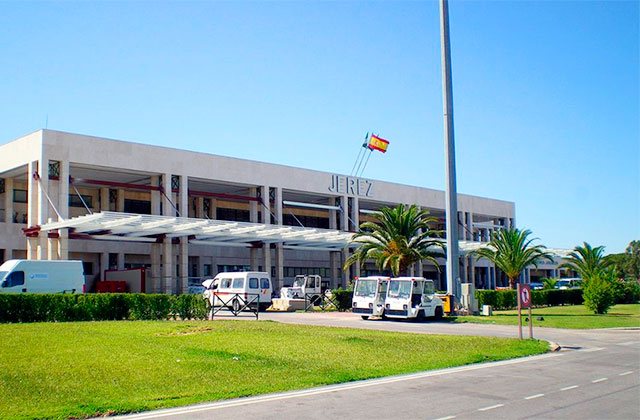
(525, 295)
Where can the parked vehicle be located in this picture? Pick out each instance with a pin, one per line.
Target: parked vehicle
(368, 296)
(570, 283)
(42, 276)
(309, 286)
(239, 288)
(536, 285)
(412, 297)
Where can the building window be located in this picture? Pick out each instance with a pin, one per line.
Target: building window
(54, 169)
(76, 201)
(87, 268)
(207, 270)
(137, 206)
(20, 196)
(1, 185)
(234, 215)
(232, 268)
(175, 182)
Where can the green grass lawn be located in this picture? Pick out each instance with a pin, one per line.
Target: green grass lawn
(577, 317)
(62, 370)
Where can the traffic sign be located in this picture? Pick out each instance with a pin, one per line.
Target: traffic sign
(524, 291)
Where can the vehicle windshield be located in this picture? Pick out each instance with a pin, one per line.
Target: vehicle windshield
(561, 283)
(2, 274)
(366, 288)
(298, 282)
(400, 289)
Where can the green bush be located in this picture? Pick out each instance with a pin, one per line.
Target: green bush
(343, 298)
(626, 291)
(599, 293)
(31, 307)
(506, 299)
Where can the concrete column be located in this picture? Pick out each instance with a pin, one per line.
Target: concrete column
(43, 207)
(104, 199)
(334, 262)
(333, 218)
(8, 201)
(120, 201)
(279, 265)
(167, 266)
(63, 208)
(266, 205)
(213, 206)
(471, 226)
(472, 270)
(420, 268)
(465, 270)
(167, 207)
(156, 276)
(200, 207)
(184, 241)
(184, 264)
(344, 218)
(278, 206)
(412, 270)
(52, 247)
(253, 205)
(254, 258)
(266, 258)
(156, 197)
(120, 260)
(355, 213)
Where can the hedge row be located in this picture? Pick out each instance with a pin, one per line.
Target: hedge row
(343, 298)
(506, 299)
(99, 307)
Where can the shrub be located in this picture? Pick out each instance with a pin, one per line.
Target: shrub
(343, 298)
(626, 291)
(506, 299)
(599, 293)
(189, 307)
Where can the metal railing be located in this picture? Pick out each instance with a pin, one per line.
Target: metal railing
(324, 301)
(236, 303)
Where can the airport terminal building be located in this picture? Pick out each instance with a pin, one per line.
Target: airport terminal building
(185, 215)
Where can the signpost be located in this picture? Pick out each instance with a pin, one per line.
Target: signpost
(524, 301)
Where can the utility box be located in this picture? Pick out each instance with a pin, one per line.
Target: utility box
(487, 310)
(468, 298)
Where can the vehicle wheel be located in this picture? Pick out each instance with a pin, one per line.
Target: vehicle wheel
(439, 313)
(383, 316)
(315, 300)
(235, 305)
(263, 307)
(420, 317)
(365, 317)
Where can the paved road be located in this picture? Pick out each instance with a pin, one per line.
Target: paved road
(595, 376)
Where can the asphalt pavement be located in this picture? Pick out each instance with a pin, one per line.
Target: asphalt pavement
(596, 375)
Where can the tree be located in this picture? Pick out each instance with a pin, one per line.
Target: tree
(398, 238)
(632, 263)
(511, 251)
(598, 291)
(586, 261)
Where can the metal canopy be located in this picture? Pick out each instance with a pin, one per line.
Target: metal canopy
(147, 228)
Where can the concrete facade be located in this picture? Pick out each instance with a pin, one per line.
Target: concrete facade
(51, 175)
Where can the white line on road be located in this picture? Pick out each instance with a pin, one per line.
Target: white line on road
(330, 388)
(446, 418)
(592, 349)
(628, 343)
(491, 407)
(595, 381)
(566, 388)
(629, 372)
(531, 397)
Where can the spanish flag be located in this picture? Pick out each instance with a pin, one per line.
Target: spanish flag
(378, 143)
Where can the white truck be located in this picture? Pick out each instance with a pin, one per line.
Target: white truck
(412, 298)
(238, 289)
(303, 285)
(369, 294)
(42, 276)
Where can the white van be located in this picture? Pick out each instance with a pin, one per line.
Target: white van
(42, 276)
(239, 288)
(412, 297)
(369, 294)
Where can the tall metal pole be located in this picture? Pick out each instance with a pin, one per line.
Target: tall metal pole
(453, 277)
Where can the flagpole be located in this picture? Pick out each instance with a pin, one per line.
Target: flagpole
(451, 206)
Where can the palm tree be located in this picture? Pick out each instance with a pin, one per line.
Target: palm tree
(398, 238)
(511, 251)
(586, 261)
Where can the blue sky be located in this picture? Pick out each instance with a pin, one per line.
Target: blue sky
(546, 94)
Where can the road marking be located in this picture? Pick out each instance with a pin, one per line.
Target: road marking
(531, 397)
(330, 388)
(446, 418)
(628, 343)
(595, 381)
(566, 388)
(491, 407)
(629, 372)
(592, 349)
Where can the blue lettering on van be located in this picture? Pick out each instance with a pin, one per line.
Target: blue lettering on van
(39, 276)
